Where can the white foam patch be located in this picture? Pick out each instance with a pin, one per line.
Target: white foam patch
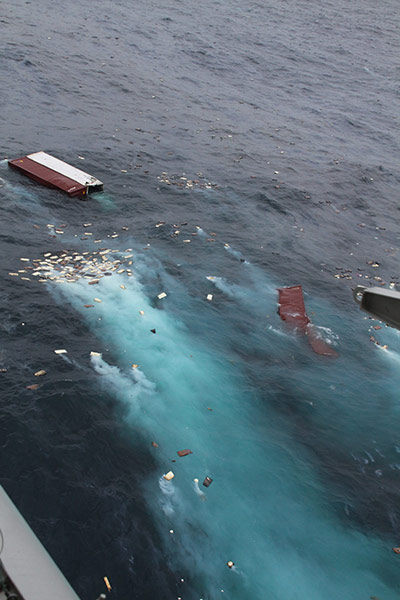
(279, 332)
(198, 492)
(201, 232)
(168, 496)
(225, 287)
(236, 254)
(133, 387)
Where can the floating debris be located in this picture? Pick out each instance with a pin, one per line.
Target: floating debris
(291, 309)
(184, 183)
(184, 452)
(70, 266)
(55, 173)
(168, 476)
(40, 373)
(108, 585)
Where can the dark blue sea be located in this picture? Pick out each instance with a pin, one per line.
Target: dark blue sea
(243, 146)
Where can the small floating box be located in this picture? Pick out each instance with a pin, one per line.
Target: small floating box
(55, 173)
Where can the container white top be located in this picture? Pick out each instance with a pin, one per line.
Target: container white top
(65, 169)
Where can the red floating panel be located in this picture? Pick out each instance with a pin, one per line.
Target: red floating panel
(47, 176)
(184, 452)
(318, 344)
(291, 306)
(293, 311)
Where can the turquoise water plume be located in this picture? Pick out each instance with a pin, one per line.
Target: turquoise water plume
(266, 508)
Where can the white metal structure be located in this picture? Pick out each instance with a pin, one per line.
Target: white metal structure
(24, 563)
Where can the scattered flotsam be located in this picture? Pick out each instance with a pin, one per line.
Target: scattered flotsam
(40, 373)
(108, 585)
(185, 183)
(184, 452)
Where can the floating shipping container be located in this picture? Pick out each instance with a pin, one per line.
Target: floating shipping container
(55, 173)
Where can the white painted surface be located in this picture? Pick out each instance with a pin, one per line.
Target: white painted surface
(62, 167)
(25, 560)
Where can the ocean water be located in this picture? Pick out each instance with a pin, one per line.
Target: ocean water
(243, 147)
